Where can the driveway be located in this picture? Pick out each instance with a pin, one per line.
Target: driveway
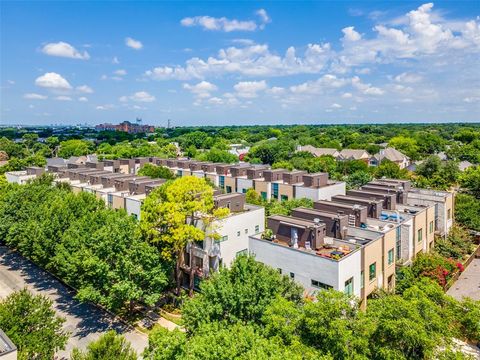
(468, 284)
(84, 321)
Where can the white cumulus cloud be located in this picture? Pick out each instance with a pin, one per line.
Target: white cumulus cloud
(64, 49)
(139, 96)
(249, 89)
(219, 24)
(34, 96)
(63, 98)
(53, 80)
(202, 89)
(85, 89)
(132, 43)
(82, 99)
(105, 107)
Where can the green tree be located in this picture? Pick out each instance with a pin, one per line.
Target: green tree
(74, 148)
(429, 167)
(239, 294)
(467, 208)
(156, 172)
(96, 250)
(164, 344)
(407, 145)
(470, 180)
(217, 155)
(30, 322)
(333, 324)
(390, 170)
(29, 140)
(358, 179)
(170, 214)
(411, 326)
(109, 346)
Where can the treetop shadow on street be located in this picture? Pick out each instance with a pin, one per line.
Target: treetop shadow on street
(91, 318)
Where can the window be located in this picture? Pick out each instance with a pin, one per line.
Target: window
(279, 270)
(372, 271)
(275, 190)
(284, 197)
(264, 195)
(257, 228)
(449, 214)
(292, 275)
(320, 285)
(179, 172)
(242, 252)
(223, 238)
(431, 227)
(390, 256)
(221, 181)
(228, 189)
(362, 280)
(349, 286)
(246, 231)
(244, 190)
(238, 233)
(420, 235)
(398, 242)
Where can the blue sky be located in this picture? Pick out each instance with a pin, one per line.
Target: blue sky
(238, 63)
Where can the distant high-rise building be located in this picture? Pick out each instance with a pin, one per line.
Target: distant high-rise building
(126, 126)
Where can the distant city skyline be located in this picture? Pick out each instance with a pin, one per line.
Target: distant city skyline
(239, 63)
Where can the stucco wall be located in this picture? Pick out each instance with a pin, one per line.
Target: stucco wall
(244, 184)
(308, 267)
(132, 206)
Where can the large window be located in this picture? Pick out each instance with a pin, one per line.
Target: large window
(372, 271)
(420, 235)
(349, 286)
(223, 238)
(398, 241)
(275, 190)
(390, 256)
(221, 181)
(320, 285)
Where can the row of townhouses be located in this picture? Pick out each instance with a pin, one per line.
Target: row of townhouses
(350, 241)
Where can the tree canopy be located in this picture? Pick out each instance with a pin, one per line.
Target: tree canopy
(32, 325)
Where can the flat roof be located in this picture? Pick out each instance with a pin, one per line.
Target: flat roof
(328, 214)
(359, 199)
(294, 221)
(340, 205)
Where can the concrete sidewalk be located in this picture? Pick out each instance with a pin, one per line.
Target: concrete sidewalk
(468, 284)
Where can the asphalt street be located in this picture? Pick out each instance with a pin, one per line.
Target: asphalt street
(84, 321)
